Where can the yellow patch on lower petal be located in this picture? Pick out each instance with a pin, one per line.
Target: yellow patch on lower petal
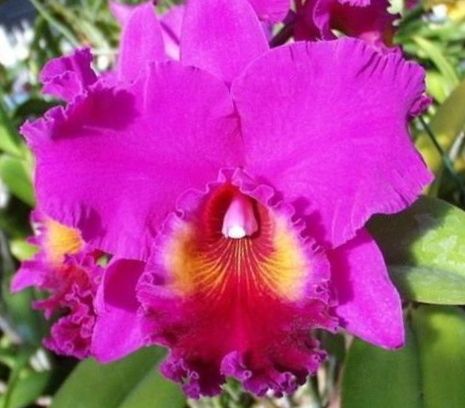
(61, 240)
(272, 263)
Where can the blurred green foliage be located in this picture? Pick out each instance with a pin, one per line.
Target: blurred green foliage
(30, 376)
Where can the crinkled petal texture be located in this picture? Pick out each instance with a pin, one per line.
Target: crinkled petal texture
(326, 125)
(367, 301)
(114, 162)
(236, 307)
(365, 19)
(232, 38)
(67, 270)
(72, 298)
(68, 77)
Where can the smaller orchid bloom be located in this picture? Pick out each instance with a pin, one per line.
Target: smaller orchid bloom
(233, 187)
(368, 20)
(66, 268)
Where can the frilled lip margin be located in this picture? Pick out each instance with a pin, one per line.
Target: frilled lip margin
(269, 346)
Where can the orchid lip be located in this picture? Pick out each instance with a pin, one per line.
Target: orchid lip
(239, 220)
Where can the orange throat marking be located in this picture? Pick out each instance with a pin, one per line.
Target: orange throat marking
(203, 262)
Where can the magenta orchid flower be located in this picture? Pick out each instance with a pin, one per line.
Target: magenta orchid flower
(234, 187)
(368, 20)
(66, 268)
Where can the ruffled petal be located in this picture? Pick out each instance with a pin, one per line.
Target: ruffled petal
(231, 39)
(67, 270)
(368, 303)
(72, 298)
(117, 330)
(113, 163)
(271, 10)
(141, 42)
(301, 136)
(67, 77)
(266, 292)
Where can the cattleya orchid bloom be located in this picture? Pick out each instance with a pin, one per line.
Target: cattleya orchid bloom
(65, 267)
(368, 20)
(232, 187)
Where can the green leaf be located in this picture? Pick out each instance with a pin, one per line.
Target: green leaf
(27, 323)
(24, 324)
(14, 219)
(10, 142)
(437, 86)
(14, 175)
(429, 285)
(92, 385)
(446, 125)
(154, 391)
(32, 107)
(449, 121)
(429, 372)
(62, 28)
(435, 54)
(423, 247)
(374, 377)
(27, 387)
(440, 333)
(22, 250)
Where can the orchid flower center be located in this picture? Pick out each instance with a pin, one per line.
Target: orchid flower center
(239, 220)
(235, 244)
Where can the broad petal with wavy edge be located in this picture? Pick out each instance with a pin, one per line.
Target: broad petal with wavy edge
(116, 171)
(297, 105)
(69, 76)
